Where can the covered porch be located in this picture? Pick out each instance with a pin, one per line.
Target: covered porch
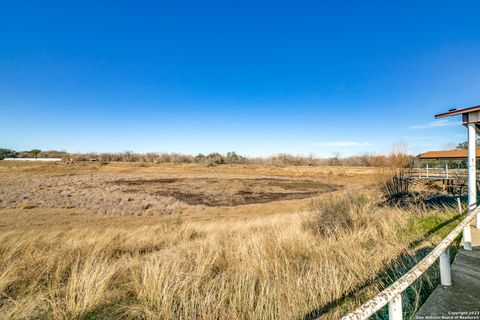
(445, 164)
(449, 167)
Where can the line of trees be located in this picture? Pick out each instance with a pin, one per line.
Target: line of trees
(283, 159)
(34, 153)
(215, 158)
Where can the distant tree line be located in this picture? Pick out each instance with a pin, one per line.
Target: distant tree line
(211, 159)
(464, 145)
(34, 153)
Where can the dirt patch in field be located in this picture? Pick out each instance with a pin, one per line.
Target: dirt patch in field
(240, 198)
(120, 193)
(214, 192)
(93, 191)
(140, 182)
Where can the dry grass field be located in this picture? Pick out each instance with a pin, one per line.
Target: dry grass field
(185, 241)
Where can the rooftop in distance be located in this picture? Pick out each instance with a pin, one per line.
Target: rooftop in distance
(447, 155)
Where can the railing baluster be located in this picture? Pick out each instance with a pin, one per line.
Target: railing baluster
(467, 235)
(445, 273)
(395, 308)
(467, 239)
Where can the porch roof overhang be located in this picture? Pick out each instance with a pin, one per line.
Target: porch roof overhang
(469, 115)
(457, 111)
(447, 155)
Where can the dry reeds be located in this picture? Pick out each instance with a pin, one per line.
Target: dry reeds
(347, 213)
(397, 182)
(273, 267)
(394, 179)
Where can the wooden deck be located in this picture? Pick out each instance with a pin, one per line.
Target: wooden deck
(462, 299)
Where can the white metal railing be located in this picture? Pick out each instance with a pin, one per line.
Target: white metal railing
(393, 294)
(445, 172)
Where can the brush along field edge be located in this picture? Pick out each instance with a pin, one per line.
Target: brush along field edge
(396, 289)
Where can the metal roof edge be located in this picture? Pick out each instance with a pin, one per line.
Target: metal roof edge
(458, 111)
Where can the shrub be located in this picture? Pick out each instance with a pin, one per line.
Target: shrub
(35, 152)
(7, 153)
(394, 179)
(335, 214)
(234, 158)
(396, 183)
(211, 159)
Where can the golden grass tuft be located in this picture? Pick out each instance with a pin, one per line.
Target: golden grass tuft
(84, 289)
(24, 206)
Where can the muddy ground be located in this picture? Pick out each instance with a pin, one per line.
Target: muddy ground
(120, 193)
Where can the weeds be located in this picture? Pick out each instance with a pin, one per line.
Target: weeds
(346, 213)
(396, 184)
(394, 179)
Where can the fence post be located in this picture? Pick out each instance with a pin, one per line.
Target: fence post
(467, 238)
(467, 234)
(395, 308)
(446, 170)
(445, 273)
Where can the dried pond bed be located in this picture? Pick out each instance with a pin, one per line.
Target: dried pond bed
(214, 192)
(138, 194)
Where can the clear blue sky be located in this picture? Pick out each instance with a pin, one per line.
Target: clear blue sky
(257, 77)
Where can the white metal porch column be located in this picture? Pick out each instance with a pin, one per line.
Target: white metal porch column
(472, 170)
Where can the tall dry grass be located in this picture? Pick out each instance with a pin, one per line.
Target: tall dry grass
(394, 177)
(275, 267)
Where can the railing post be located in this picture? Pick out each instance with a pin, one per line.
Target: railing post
(395, 308)
(445, 273)
(467, 234)
(446, 170)
(427, 169)
(467, 239)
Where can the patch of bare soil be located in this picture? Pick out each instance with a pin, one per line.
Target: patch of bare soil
(239, 198)
(93, 191)
(139, 194)
(214, 192)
